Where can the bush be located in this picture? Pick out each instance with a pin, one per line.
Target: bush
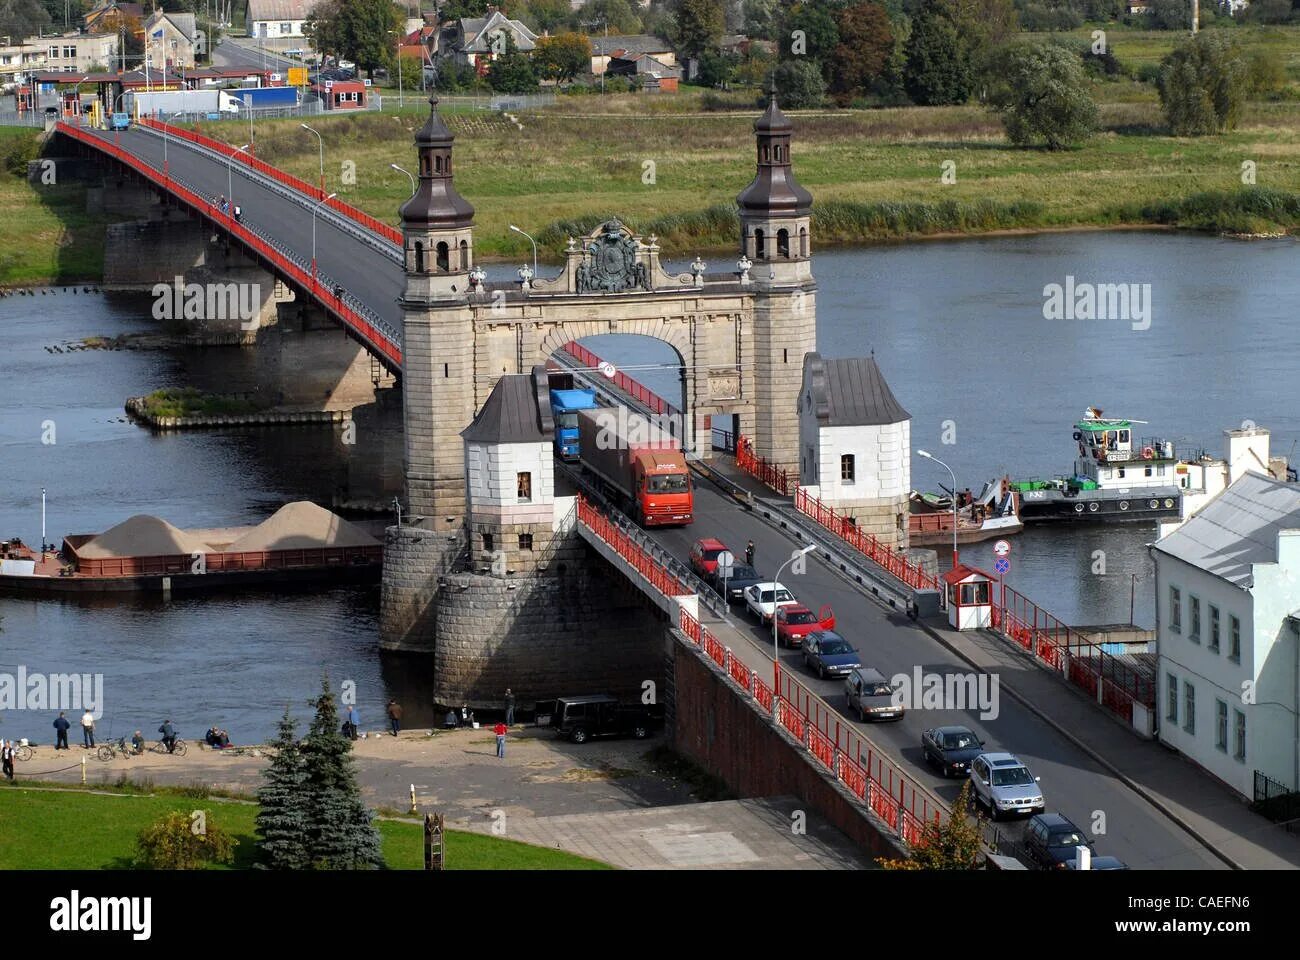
(178, 842)
(1042, 96)
(1203, 85)
(19, 152)
(799, 85)
(1148, 73)
(1266, 75)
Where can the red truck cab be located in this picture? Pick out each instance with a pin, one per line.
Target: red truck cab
(663, 487)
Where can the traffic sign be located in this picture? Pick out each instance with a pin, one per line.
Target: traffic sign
(1002, 565)
(608, 369)
(1002, 548)
(726, 560)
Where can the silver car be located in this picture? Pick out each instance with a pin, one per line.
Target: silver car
(1002, 783)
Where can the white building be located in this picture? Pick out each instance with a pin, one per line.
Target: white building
(1203, 480)
(76, 52)
(477, 41)
(278, 21)
(1228, 632)
(18, 61)
(855, 444)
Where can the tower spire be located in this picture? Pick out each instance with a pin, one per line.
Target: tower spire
(436, 204)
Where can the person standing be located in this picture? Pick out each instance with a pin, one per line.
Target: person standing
(500, 730)
(7, 758)
(354, 721)
(510, 708)
(749, 553)
(88, 730)
(61, 726)
(394, 716)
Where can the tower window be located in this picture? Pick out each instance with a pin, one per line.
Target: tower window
(763, 154)
(443, 263)
(488, 544)
(783, 243)
(524, 487)
(424, 166)
(464, 255)
(803, 242)
(419, 257)
(525, 541)
(437, 164)
(848, 469)
(760, 245)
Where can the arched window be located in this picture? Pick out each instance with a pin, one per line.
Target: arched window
(783, 243)
(760, 247)
(437, 164)
(443, 265)
(464, 255)
(419, 257)
(803, 242)
(424, 164)
(762, 154)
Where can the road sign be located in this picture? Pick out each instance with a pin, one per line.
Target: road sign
(608, 369)
(297, 76)
(1002, 548)
(1002, 565)
(726, 560)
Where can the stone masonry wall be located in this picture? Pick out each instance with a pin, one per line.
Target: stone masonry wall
(414, 561)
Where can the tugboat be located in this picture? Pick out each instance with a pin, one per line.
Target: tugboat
(1116, 477)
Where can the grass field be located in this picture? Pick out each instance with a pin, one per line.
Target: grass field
(73, 830)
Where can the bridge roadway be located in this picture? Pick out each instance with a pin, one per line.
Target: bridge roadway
(282, 215)
(1072, 783)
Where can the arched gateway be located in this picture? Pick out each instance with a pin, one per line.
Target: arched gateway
(742, 334)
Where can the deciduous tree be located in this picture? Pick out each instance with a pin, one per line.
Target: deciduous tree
(1203, 85)
(1042, 95)
(865, 42)
(563, 56)
(697, 26)
(799, 84)
(953, 845)
(938, 64)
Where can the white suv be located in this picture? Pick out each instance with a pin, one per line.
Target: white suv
(762, 599)
(1002, 783)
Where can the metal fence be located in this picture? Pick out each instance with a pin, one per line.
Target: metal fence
(1277, 802)
(779, 479)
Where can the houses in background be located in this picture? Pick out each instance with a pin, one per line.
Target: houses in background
(477, 41)
(278, 23)
(173, 40)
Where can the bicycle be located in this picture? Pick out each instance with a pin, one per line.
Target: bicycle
(179, 749)
(24, 752)
(107, 751)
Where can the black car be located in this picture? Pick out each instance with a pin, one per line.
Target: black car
(951, 749)
(599, 715)
(1051, 839)
(741, 576)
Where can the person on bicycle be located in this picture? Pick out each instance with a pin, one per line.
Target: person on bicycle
(137, 743)
(168, 736)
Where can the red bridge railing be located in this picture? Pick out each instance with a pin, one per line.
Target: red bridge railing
(314, 191)
(595, 520)
(637, 391)
(894, 563)
(376, 339)
(779, 479)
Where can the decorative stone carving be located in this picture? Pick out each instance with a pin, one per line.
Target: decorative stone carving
(477, 277)
(612, 263)
(743, 266)
(525, 277)
(724, 384)
(697, 270)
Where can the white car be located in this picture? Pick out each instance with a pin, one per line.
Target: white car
(762, 599)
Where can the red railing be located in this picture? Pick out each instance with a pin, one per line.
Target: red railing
(296, 274)
(929, 522)
(638, 392)
(894, 563)
(832, 741)
(392, 234)
(778, 478)
(591, 516)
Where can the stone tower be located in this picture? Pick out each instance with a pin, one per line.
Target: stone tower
(775, 214)
(437, 348)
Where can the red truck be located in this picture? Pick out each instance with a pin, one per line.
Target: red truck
(637, 464)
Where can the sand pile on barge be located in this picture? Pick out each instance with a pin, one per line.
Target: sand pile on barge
(142, 536)
(302, 526)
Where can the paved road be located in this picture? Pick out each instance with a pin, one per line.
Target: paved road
(366, 273)
(244, 52)
(1072, 782)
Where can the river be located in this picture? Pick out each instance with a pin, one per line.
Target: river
(957, 328)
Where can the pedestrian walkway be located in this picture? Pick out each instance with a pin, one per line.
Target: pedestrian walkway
(1202, 805)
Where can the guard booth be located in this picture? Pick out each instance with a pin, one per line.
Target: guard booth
(970, 597)
(25, 98)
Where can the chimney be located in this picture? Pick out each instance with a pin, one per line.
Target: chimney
(1247, 450)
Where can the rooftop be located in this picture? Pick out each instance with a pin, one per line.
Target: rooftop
(510, 414)
(1237, 529)
(850, 391)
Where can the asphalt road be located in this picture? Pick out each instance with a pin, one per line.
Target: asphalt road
(1072, 783)
(245, 53)
(363, 271)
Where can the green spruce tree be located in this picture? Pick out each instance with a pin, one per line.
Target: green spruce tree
(282, 816)
(339, 831)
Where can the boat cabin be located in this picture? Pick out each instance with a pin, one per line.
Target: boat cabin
(970, 597)
(1112, 456)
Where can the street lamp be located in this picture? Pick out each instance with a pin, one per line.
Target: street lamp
(230, 177)
(922, 453)
(530, 240)
(408, 173)
(776, 647)
(400, 37)
(321, 140)
(314, 208)
(165, 125)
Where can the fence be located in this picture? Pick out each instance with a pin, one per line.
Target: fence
(630, 550)
(779, 479)
(844, 527)
(1277, 802)
(638, 392)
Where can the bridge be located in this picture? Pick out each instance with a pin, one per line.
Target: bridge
(374, 280)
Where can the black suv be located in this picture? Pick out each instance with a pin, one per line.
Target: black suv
(599, 715)
(1051, 839)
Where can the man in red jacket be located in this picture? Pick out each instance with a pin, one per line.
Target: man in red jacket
(500, 731)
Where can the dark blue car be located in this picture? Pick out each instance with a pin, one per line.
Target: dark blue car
(951, 749)
(826, 652)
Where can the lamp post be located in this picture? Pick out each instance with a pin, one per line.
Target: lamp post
(321, 141)
(43, 526)
(400, 37)
(230, 178)
(928, 456)
(165, 137)
(530, 240)
(776, 634)
(315, 207)
(409, 176)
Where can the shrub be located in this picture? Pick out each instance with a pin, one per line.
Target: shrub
(1203, 85)
(180, 842)
(1042, 96)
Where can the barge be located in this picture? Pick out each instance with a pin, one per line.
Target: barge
(994, 513)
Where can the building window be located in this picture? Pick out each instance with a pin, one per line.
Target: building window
(1147, 471)
(847, 468)
(783, 243)
(1214, 628)
(1221, 725)
(54, 53)
(524, 487)
(444, 259)
(760, 247)
(1171, 713)
(286, 28)
(526, 541)
(488, 544)
(70, 53)
(419, 257)
(1120, 473)
(1189, 708)
(1239, 735)
(803, 243)
(1175, 610)
(1194, 633)
(1234, 639)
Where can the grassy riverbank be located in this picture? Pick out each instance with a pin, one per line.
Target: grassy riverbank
(76, 830)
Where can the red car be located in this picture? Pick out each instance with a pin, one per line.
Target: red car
(796, 622)
(704, 556)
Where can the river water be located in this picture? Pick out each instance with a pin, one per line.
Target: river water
(957, 328)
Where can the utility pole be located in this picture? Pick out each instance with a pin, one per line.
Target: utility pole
(1196, 16)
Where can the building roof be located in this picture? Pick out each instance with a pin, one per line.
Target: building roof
(632, 43)
(475, 31)
(510, 415)
(280, 9)
(774, 189)
(962, 572)
(642, 63)
(1237, 529)
(850, 391)
(436, 202)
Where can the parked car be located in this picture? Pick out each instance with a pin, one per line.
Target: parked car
(1003, 784)
(869, 694)
(1100, 863)
(598, 715)
(794, 622)
(704, 556)
(951, 749)
(742, 576)
(1051, 840)
(826, 652)
(763, 598)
